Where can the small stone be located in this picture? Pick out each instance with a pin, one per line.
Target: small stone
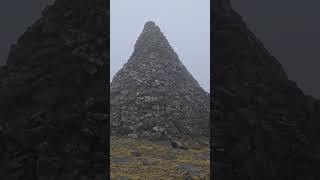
(134, 136)
(177, 144)
(136, 153)
(195, 145)
(158, 129)
(122, 178)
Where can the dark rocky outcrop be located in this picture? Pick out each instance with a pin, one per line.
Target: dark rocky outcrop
(263, 127)
(154, 96)
(53, 96)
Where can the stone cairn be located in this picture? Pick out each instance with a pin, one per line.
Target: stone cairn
(154, 96)
(53, 96)
(263, 127)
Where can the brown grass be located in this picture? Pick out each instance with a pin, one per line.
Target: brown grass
(158, 160)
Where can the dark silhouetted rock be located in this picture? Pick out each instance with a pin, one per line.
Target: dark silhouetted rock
(263, 127)
(53, 96)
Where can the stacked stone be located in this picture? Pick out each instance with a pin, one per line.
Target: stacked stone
(53, 96)
(264, 127)
(154, 96)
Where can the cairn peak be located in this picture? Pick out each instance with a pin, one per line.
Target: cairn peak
(152, 39)
(154, 96)
(149, 24)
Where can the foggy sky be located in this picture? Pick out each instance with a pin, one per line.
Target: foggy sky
(15, 17)
(185, 23)
(290, 30)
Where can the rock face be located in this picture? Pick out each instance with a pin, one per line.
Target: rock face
(154, 95)
(264, 127)
(53, 96)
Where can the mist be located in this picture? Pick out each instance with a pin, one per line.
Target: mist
(185, 23)
(15, 17)
(291, 32)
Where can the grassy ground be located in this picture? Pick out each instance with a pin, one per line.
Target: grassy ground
(139, 159)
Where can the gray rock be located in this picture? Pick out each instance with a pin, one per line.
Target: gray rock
(122, 178)
(189, 168)
(178, 144)
(134, 136)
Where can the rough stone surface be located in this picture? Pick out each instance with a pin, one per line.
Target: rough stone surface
(154, 96)
(53, 97)
(263, 127)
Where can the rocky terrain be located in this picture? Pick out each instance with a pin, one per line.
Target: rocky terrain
(135, 159)
(264, 127)
(54, 120)
(156, 107)
(154, 96)
(53, 96)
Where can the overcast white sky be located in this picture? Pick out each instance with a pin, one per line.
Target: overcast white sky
(185, 23)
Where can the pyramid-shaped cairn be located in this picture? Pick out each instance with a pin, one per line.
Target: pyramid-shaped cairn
(154, 95)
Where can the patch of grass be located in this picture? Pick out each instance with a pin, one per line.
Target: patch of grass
(157, 160)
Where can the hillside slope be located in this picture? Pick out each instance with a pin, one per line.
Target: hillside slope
(264, 127)
(53, 96)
